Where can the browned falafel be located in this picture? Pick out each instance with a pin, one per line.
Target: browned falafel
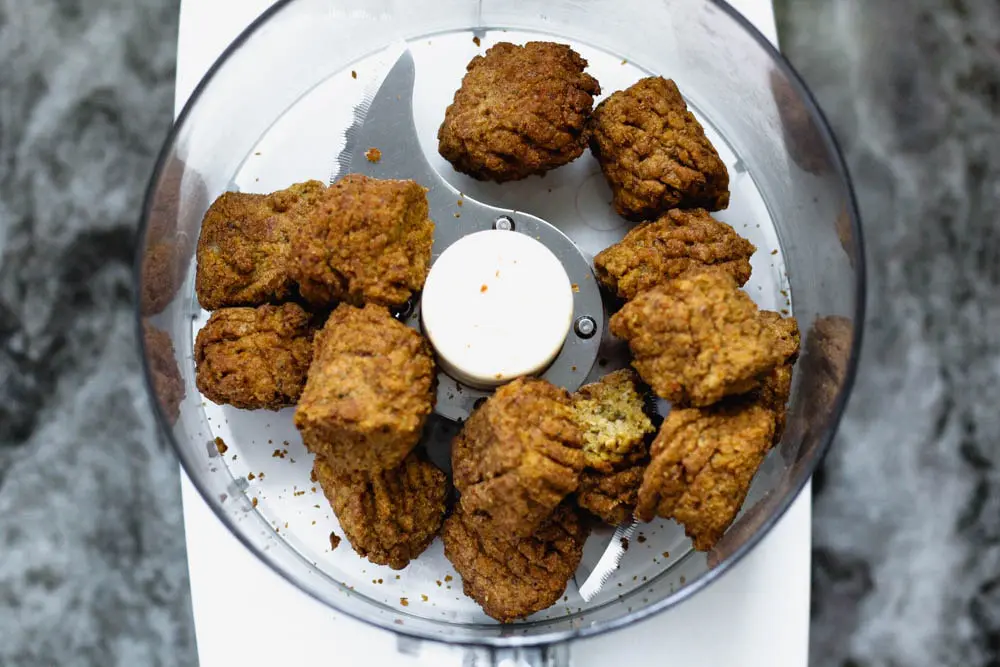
(654, 252)
(244, 245)
(697, 338)
(366, 240)
(514, 577)
(702, 463)
(521, 110)
(370, 390)
(654, 152)
(168, 386)
(389, 517)
(518, 456)
(611, 415)
(254, 358)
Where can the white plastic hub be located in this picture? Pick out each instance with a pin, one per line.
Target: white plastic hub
(497, 305)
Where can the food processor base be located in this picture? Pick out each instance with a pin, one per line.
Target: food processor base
(245, 614)
(756, 615)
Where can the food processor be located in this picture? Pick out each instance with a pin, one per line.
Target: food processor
(273, 110)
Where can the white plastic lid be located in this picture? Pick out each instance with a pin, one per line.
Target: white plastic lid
(497, 305)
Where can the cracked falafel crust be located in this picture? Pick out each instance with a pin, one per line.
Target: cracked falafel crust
(698, 338)
(654, 152)
(511, 578)
(244, 244)
(389, 517)
(612, 418)
(611, 415)
(367, 240)
(521, 110)
(785, 330)
(655, 252)
(612, 496)
(369, 392)
(518, 456)
(254, 358)
(703, 461)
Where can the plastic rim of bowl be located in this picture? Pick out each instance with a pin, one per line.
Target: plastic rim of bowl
(699, 584)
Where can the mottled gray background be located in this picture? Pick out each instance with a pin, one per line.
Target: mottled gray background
(907, 532)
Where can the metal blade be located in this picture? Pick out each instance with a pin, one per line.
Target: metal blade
(591, 576)
(384, 121)
(342, 165)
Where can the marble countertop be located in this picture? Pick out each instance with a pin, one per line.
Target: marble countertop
(907, 507)
(907, 514)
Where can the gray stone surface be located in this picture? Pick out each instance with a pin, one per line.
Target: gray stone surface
(907, 523)
(907, 532)
(92, 561)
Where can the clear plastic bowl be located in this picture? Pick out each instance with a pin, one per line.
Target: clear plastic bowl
(271, 111)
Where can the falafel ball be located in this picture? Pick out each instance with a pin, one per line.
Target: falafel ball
(801, 132)
(167, 248)
(776, 386)
(612, 418)
(827, 353)
(773, 393)
(829, 348)
(518, 456)
(786, 331)
(654, 252)
(611, 415)
(367, 240)
(370, 389)
(698, 338)
(521, 110)
(166, 376)
(510, 577)
(703, 461)
(254, 358)
(161, 269)
(654, 152)
(389, 517)
(244, 244)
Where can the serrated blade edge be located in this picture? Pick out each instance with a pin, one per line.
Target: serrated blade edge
(342, 164)
(608, 563)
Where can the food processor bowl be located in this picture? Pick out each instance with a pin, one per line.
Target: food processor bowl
(272, 111)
